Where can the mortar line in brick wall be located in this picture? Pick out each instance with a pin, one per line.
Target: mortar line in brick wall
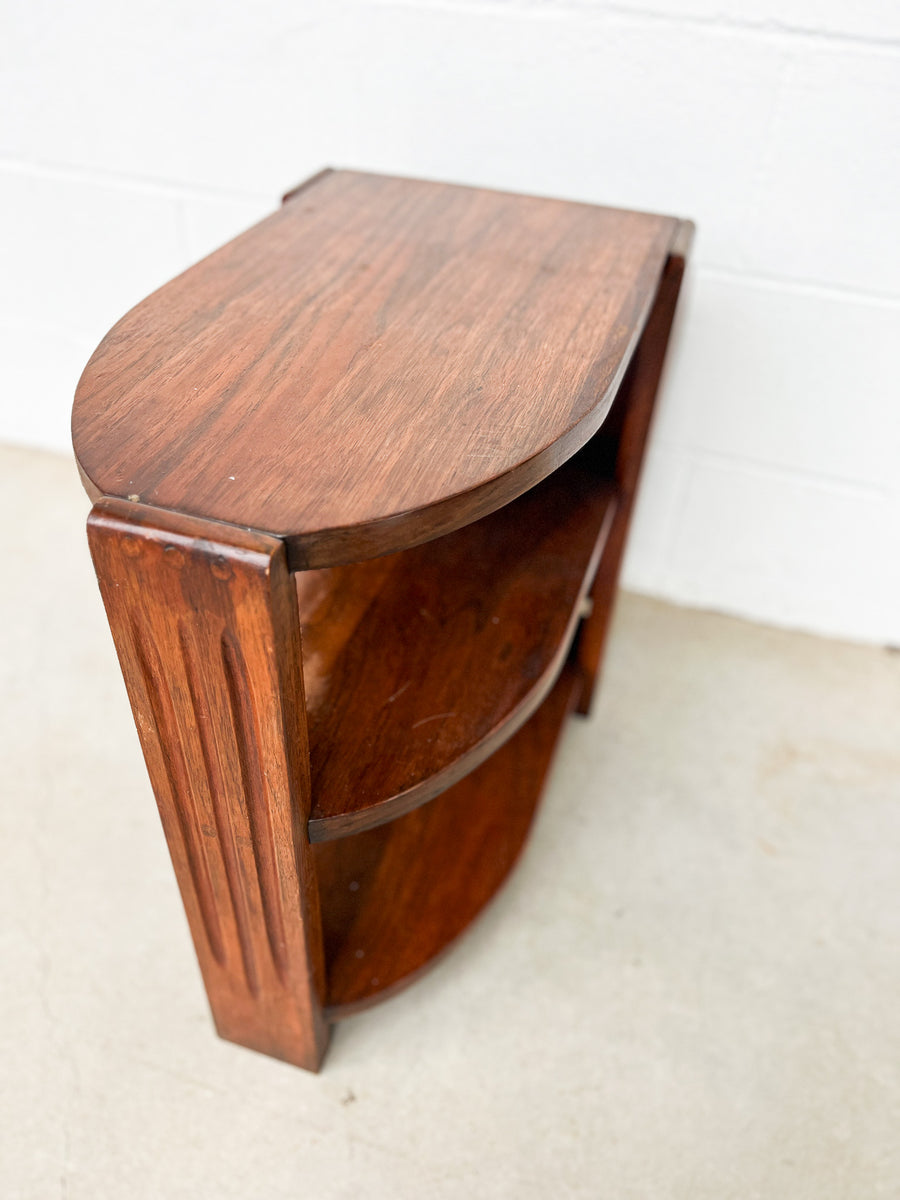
(541, 8)
(700, 456)
(146, 185)
(179, 192)
(808, 287)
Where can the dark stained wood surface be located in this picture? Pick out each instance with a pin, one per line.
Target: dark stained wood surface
(377, 363)
(418, 665)
(384, 365)
(205, 624)
(394, 898)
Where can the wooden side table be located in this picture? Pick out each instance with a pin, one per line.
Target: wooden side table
(362, 480)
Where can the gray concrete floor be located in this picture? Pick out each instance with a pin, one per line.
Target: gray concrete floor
(688, 989)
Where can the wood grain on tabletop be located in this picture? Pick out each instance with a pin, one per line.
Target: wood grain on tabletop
(379, 362)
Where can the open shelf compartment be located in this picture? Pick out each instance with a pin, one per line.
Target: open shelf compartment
(419, 665)
(396, 897)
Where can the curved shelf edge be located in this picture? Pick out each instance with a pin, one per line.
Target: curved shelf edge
(395, 532)
(396, 898)
(376, 815)
(508, 595)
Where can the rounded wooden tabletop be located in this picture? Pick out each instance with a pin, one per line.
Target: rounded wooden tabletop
(379, 362)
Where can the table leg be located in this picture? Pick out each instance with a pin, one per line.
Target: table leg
(206, 628)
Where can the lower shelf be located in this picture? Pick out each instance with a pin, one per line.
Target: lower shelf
(395, 897)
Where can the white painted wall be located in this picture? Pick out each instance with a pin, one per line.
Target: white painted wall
(136, 137)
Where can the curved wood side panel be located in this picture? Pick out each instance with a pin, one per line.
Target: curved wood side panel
(206, 630)
(395, 899)
(420, 665)
(379, 362)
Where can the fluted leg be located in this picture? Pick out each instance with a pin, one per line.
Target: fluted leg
(205, 623)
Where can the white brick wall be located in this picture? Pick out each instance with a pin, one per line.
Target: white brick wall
(134, 138)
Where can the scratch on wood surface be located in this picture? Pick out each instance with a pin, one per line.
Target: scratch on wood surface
(435, 717)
